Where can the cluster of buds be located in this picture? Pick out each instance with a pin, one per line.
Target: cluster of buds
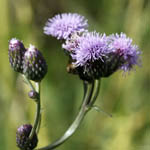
(29, 62)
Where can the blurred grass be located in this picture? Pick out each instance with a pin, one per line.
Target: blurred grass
(126, 98)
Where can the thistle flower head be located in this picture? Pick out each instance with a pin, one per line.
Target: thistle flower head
(122, 46)
(34, 65)
(87, 54)
(22, 138)
(95, 56)
(16, 53)
(63, 25)
(91, 47)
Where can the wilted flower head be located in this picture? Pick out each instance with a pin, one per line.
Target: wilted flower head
(34, 65)
(63, 25)
(122, 46)
(16, 53)
(22, 138)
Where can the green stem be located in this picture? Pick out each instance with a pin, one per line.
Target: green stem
(39, 110)
(37, 121)
(85, 85)
(82, 112)
(39, 124)
(29, 83)
(37, 115)
(96, 93)
(91, 93)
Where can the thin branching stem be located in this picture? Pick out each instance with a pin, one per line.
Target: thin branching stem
(38, 113)
(88, 89)
(27, 81)
(96, 92)
(36, 125)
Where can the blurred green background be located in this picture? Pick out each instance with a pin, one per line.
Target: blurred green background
(126, 98)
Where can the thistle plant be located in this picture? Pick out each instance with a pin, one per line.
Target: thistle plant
(91, 56)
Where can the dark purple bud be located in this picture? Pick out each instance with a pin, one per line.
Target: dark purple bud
(34, 65)
(16, 53)
(22, 138)
(33, 94)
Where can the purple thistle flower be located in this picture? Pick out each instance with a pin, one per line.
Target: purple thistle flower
(87, 52)
(95, 56)
(92, 46)
(122, 46)
(63, 25)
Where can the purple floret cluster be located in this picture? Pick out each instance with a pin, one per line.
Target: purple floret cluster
(123, 47)
(92, 55)
(92, 47)
(63, 25)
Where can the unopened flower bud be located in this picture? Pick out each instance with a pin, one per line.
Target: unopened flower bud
(16, 53)
(22, 138)
(34, 65)
(33, 94)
